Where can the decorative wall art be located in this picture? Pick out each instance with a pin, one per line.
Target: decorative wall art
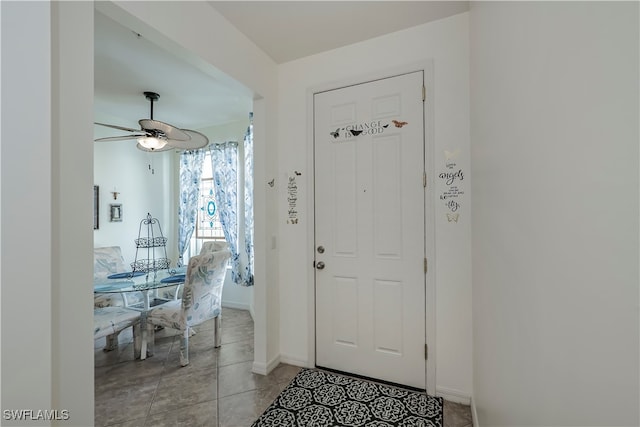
(452, 176)
(116, 212)
(96, 207)
(292, 198)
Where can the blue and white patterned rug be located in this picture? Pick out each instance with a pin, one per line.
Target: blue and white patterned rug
(322, 399)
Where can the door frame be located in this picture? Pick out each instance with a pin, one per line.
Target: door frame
(426, 66)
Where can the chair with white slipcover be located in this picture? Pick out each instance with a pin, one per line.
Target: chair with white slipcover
(201, 301)
(212, 246)
(207, 246)
(110, 321)
(108, 260)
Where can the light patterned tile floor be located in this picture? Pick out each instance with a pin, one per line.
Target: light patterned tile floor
(217, 388)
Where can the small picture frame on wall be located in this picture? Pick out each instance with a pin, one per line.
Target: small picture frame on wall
(116, 212)
(96, 207)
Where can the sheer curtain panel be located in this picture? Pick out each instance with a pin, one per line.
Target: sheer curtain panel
(248, 201)
(190, 173)
(224, 162)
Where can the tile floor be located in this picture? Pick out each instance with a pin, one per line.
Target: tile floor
(217, 389)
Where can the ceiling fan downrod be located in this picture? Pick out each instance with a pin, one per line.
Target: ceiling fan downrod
(151, 96)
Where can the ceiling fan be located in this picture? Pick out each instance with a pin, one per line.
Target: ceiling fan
(154, 135)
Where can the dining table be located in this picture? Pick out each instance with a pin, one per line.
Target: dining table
(131, 282)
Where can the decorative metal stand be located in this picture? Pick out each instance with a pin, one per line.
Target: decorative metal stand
(155, 245)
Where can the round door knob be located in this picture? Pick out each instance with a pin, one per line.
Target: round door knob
(320, 265)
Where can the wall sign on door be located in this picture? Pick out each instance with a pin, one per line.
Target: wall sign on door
(374, 127)
(452, 176)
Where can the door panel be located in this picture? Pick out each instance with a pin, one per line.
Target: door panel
(369, 213)
(344, 204)
(387, 197)
(388, 308)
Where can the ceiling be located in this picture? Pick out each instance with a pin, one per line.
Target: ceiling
(288, 30)
(126, 64)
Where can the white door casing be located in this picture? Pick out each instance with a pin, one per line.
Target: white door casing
(370, 221)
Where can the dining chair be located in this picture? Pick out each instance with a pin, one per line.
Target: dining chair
(201, 301)
(107, 261)
(110, 321)
(207, 246)
(212, 246)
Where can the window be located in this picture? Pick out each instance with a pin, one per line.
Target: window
(208, 222)
(208, 225)
(216, 201)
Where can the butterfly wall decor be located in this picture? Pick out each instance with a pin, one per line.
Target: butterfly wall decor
(451, 154)
(355, 132)
(336, 133)
(399, 124)
(452, 217)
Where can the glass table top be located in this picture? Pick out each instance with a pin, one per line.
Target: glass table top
(117, 286)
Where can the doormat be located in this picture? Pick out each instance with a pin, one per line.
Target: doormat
(323, 399)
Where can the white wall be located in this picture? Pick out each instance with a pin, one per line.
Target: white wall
(232, 131)
(26, 215)
(121, 166)
(46, 209)
(554, 125)
(446, 43)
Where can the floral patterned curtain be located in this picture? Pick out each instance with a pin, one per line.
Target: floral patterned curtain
(224, 162)
(190, 173)
(248, 200)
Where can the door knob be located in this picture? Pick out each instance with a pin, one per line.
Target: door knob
(320, 265)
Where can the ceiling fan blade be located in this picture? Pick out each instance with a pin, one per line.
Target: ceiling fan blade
(197, 140)
(169, 131)
(119, 138)
(121, 128)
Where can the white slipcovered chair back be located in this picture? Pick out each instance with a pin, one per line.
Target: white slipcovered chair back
(213, 246)
(106, 261)
(202, 294)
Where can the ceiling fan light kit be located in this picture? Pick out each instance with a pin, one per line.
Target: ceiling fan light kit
(151, 143)
(154, 136)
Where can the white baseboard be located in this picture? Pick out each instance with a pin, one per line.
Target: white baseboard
(290, 360)
(264, 369)
(236, 305)
(453, 395)
(474, 413)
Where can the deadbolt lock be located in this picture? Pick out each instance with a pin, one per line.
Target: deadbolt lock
(320, 249)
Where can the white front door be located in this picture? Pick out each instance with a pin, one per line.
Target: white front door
(369, 229)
